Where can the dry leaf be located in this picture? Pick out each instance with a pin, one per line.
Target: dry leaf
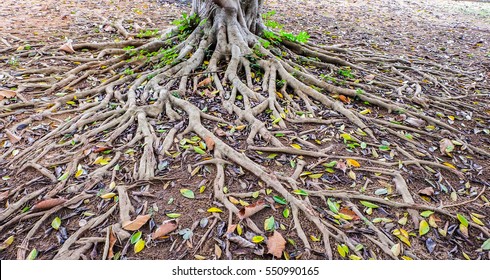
(13, 138)
(415, 122)
(67, 47)
(341, 165)
(137, 223)
(369, 77)
(276, 244)
(231, 228)
(47, 204)
(251, 209)
(205, 82)
(344, 99)
(429, 191)
(209, 143)
(112, 241)
(7, 94)
(348, 212)
(446, 146)
(4, 195)
(352, 162)
(166, 228)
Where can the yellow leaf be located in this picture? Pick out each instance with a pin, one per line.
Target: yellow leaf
(450, 165)
(79, 173)
(477, 221)
(140, 245)
(423, 227)
(108, 195)
(314, 238)
(279, 95)
(296, 146)
(199, 257)
(233, 200)
(352, 162)
(6, 243)
(239, 229)
(240, 127)
(365, 112)
(215, 210)
(352, 175)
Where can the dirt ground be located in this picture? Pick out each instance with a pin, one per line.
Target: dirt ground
(448, 32)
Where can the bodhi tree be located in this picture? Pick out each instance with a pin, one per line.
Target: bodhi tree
(229, 91)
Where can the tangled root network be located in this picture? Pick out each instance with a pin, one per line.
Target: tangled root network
(309, 151)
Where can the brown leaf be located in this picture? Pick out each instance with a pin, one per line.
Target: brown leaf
(4, 195)
(341, 165)
(14, 138)
(112, 241)
(276, 244)
(446, 146)
(7, 94)
(415, 122)
(205, 82)
(166, 228)
(231, 228)
(242, 242)
(137, 223)
(209, 143)
(251, 209)
(47, 204)
(344, 99)
(369, 77)
(220, 132)
(429, 191)
(67, 47)
(348, 212)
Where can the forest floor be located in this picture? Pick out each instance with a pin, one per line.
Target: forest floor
(436, 30)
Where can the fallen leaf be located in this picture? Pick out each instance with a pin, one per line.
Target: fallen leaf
(47, 204)
(415, 122)
(13, 138)
(423, 227)
(352, 162)
(7, 242)
(7, 94)
(251, 209)
(137, 223)
(187, 193)
(430, 244)
(67, 47)
(257, 239)
(139, 246)
(429, 191)
(112, 241)
(276, 244)
(215, 210)
(166, 228)
(205, 82)
(446, 146)
(56, 223)
(209, 143)
(269, 223)
(341, 165)
(344, 99)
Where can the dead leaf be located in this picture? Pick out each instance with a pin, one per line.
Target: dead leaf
(137, 223)
(47, 204)
(251, 209)
(205, 82)
(67, 47)
(13, 138)
(369, 77)
(276, 244)
(446, 146)
(112, 241)
(344, 99)
(209, 143)
(231, 228)
(4, 195)
(166, 228)
(415, 122)
(348, 212)
(7, 94)
(429, 191)
(341, 165)
(220, 132)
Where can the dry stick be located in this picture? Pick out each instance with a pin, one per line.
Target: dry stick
(205, 236)
(468, 201)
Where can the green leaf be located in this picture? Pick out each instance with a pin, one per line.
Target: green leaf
(279, 200)
(64, 176)
(423, 227)
(187, 193)
(173, 215)
(330, 164)
(369, 204)
(486, 245)
(285, 213)
(426, 214)
(333, 207)
(269, 223)
(56, 223)
(341, 250)
(300, 192)
(384, 148)
(255, 194)
(32, 255)
(462, 219)
(199, 150)
(136, 237)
